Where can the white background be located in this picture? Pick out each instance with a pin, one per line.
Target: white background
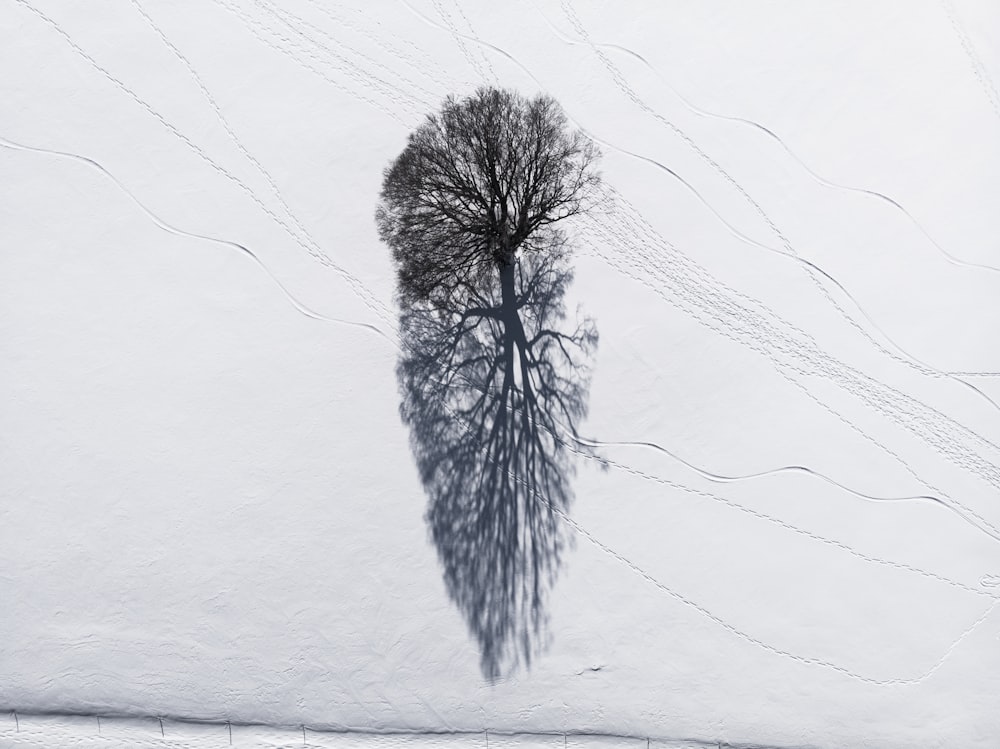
(208, 506)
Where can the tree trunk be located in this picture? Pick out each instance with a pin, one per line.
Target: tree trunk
(514, 329)
(508, 301)
(514, 337)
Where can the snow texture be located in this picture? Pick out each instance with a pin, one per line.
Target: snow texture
(782, 523)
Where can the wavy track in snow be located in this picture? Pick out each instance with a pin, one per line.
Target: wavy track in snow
(242, 249)
(791, 469)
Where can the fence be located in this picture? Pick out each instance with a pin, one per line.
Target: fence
(93, 731)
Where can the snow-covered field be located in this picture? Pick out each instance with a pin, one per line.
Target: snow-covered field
(788, 529)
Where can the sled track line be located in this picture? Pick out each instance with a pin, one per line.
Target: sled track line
(787, 469)
(645, 476)
(170, 228)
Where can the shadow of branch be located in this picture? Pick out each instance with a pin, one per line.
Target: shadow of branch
(489, 393)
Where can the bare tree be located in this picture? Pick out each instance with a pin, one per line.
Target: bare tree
(486, 179)
(492, 383)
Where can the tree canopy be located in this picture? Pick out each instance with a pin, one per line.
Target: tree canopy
(484, 179)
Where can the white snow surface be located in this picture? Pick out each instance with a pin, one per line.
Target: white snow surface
(209, 508)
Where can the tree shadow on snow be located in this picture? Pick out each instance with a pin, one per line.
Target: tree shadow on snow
(491, 394)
